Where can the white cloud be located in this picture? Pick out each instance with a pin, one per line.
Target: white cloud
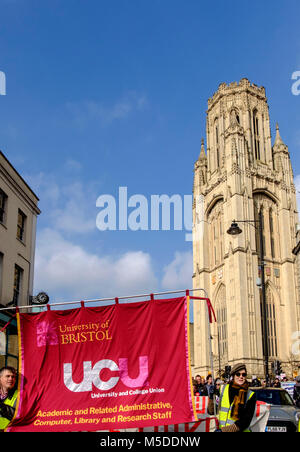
(68, 272)
(73, 165)
(67, 206)
(73, 215)
(178, 274)
(89, 110)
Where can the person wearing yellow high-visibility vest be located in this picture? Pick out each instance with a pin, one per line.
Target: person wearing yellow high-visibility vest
(237, 402)
(8, 395)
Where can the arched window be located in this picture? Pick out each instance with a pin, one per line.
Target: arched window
(217, 144)
(257, 212)
(216, 233)
(221, 314)
(271, 228)
(221, 238)
(215, 238)
(256, 135)
(271, 323)
(267, 207)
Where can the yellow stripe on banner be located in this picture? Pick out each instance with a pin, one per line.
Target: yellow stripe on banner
(189, 356)
(19, 370)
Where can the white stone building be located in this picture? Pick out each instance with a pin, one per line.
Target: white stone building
(241, 174)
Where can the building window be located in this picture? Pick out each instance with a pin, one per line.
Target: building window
(267, 208)
(256, 136)
(21, 225)
(271, 323)
(217, 147)
(271, 226)
(257, 238)
(221, 239)
(215, 235)
(221, 312)
(222, 329)
(3, 201)
(10, 356)
(215, 242)
(17, 284)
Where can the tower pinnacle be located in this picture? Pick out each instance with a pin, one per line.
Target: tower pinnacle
(202, 155)
(278, 143)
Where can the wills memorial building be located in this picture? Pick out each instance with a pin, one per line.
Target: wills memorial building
(243, 176)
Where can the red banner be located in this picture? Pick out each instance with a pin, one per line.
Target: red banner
(108, 367)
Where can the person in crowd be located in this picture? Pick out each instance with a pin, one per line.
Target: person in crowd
(8, 395)
(237, 402)
(195, 387)
(277, 383)
(201, 386)
(264, 383)
(255, 382)
(209, 384)
(217, 389)
(195, 390)
(296, 392)
(198, 383)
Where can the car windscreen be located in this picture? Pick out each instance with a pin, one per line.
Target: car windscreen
(274, 397)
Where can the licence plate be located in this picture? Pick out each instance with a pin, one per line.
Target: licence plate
(275, 429)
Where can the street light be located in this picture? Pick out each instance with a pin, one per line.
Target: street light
(236, 230)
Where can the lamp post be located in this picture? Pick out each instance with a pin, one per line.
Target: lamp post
(235, 230)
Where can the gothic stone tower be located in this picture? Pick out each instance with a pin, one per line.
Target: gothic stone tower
(240, 175)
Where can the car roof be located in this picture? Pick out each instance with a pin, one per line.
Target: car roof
(255, 388)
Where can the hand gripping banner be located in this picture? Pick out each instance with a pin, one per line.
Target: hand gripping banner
(108, 367)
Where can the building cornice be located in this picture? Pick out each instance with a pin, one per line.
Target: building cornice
(243, 85)
(19, 191)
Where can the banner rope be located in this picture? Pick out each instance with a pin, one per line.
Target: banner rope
(211, 311)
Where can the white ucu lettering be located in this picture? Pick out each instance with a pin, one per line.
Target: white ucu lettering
(91, 375)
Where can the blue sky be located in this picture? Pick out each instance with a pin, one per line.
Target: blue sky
(105, 94)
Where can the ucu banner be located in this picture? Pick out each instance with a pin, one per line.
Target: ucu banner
(92, 375)
(103, 368)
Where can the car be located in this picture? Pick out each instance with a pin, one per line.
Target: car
(284, 415)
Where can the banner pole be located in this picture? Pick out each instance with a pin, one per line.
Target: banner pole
(63, 303)
(209, 345)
